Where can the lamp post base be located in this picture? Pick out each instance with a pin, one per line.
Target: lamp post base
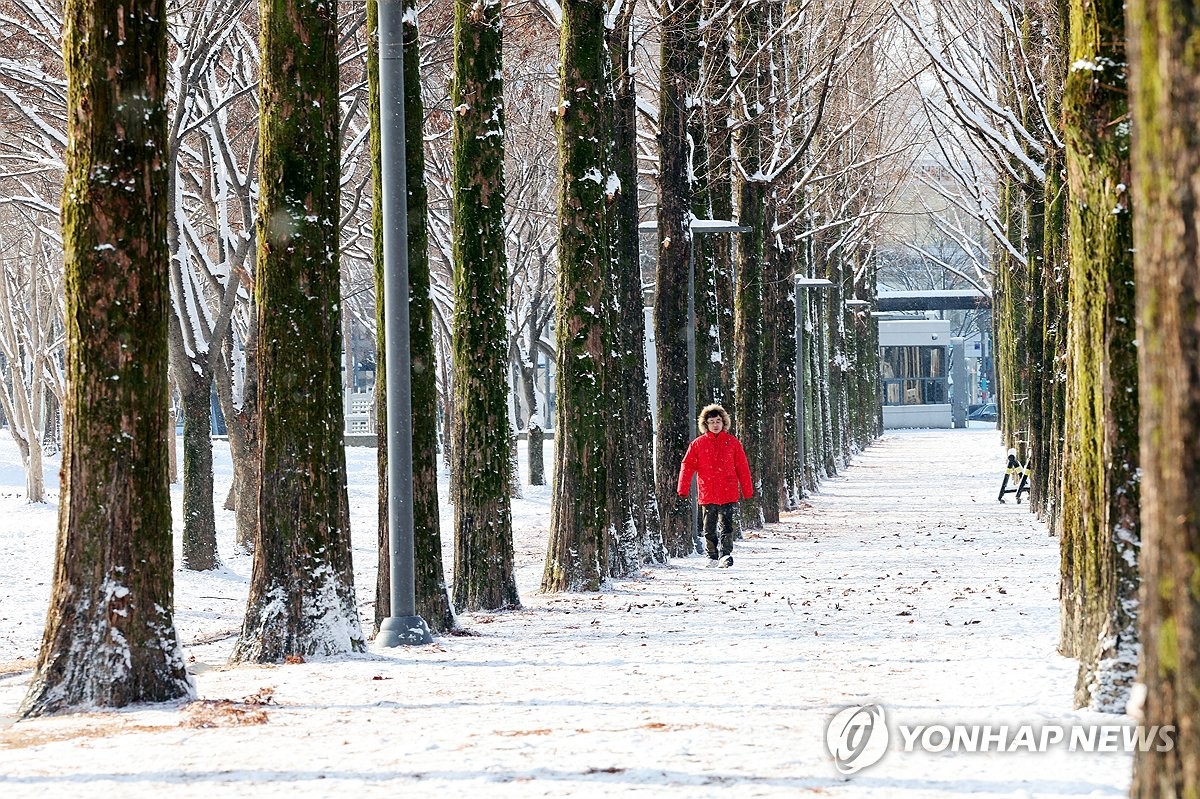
(402, 631)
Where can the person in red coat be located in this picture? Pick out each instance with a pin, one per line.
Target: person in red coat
(719, 460)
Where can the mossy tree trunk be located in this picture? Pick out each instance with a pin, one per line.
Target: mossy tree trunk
(302, 586)
(1099, 520)
(110, 638)
(629, 322)
(483, 545)
(1164, 48)
(1046, 489)
(677, 84)
(717, 79)
(432, 594)
(751, 191)
(578, 556)
(199, 519)
(779, 391)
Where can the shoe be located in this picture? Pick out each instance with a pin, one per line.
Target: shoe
(712, 562)
(725, 562)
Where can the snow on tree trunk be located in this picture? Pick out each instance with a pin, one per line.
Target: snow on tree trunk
(778, 392)
(629, 323)
(302, 586)
(483, 547)
(1166, 160)
(676, 428)
(199, 521)
(432, 593)
(577, 558)
(1048, 437)
(718, 178)
(1100, 516)
(173, 457)
(110, 639)
(537, 458)
(751, 195)
(1055, 341)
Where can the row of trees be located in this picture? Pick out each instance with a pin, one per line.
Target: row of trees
(1078, 159)
(171, 265)
(1027, 102)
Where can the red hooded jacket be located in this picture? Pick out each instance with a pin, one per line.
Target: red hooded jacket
(721, 463)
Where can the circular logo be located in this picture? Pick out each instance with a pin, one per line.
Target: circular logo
(857, 737)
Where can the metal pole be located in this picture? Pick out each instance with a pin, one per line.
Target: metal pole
(403, 626)
(691, 370)
(800, 295)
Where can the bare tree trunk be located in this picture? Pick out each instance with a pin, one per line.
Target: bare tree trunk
(751, 192)
(110, 638)
(302, 586)
(578, 558)
(628, 329)
(537, 458)
(241, 423)
(173, 456)
(1100, 529)
(199, 520)
(680, 62)
(1166, 161)
(483, 546)
(432, 594)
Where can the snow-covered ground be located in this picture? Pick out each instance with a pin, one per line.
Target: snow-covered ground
(903, 583)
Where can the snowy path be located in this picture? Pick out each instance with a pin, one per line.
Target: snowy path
(905, 583)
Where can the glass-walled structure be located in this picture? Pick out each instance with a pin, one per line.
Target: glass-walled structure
(914, 366)
(914, 375)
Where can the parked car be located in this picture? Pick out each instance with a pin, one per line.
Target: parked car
(983, 413)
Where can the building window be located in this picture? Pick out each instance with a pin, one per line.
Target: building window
(914, 376)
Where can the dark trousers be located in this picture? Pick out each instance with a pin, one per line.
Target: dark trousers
(711, 514)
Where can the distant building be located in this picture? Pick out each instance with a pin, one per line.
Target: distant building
(914, 372)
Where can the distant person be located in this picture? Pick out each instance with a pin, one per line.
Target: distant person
(719, 460)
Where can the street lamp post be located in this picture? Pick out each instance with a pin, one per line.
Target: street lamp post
(800, 301)
(403, 626)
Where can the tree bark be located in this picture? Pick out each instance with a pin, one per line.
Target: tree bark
(1166, 160)
(578, 556)
(432, 593)
(110, 638)
(483, 547)
(302, 587)
(629, 326)
(241, 422)
(537, 458)
(751, 197)
(717, 79)
(199, 519)
(675, 427)
(1099, 522)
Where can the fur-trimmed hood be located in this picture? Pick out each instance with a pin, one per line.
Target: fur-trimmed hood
(708, 411)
